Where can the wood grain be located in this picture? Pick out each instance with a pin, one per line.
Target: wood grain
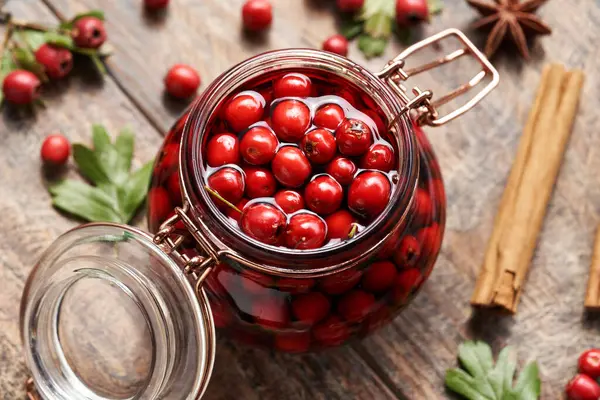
(411, 355)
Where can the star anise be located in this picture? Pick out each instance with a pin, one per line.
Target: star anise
(512, 16)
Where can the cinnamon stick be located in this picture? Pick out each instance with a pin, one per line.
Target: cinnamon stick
(528, 190)
(592, 295)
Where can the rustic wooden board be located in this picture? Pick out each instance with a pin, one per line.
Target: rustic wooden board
(410, 356)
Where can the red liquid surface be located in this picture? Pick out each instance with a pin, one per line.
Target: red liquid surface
(294, 314)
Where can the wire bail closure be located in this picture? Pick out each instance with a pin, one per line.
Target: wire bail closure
(394, 74)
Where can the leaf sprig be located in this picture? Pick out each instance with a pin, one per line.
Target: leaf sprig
(480, 379)
(374, 25)
(117, 193)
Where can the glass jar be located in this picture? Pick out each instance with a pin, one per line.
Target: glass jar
(152, 302)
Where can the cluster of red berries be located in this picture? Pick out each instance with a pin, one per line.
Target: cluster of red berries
(23, 87)
(584, 386)
(295, 170)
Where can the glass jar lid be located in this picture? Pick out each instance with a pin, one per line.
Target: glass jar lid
(107, 314)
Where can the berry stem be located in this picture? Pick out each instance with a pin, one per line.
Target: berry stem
(353, 231)
(7, 35)
(218, 196)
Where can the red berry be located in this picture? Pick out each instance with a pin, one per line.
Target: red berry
(369, 194)
(428, 239)
(296, 285)
(379, 156)
(349, 95)
(174, 186)
(350, 5)
(270, 313)
(222, 148)
(423, 207)
(235, 214)
(170, 156)
(589, 363)
(379, 276)
(156, 4)
(323, 195)
(305, 231)
(319, 146)
(255, 282)
(341, 282)
(340, 225)
(290, 201)
(337, 44)
(411, 12)
(257, 15)
(89, 32)
(353, 137)
(290, 120)
(229, 184)
(245, 109)
(408, 252)
(355, 305)
(21, 87)
(342, 170)
(259, 182)
(292, 85)
(57, 61)
(159, 205)
(291, 167)
(55, 150)
(182, 81)
(293, 342)
(331, 332)
(405, 282)
(263, 222)
(329, 116)
(259, 145)
(310, 308)
(582, 387)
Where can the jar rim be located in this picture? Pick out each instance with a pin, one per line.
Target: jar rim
(296, 60)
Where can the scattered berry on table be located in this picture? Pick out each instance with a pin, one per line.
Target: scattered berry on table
(257, 15)
(182, 81)
(337, 44)
(57, 61)
(589, 363)
(411, 12)
(89, 33)
(156, 4)
(21, 87)
(582, 387)
(55, 149)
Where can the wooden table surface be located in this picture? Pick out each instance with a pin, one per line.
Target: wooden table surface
(408, 358)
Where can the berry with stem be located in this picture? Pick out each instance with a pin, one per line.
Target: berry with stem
(57, 61)
(89, 32)
(21, 87)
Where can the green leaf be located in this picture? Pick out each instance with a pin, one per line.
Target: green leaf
(32, 38)
(84, 201)
(351, 28)
(135, 189)
(90, 165)
(482, 380)
(370, 46)
(379, 25)
(435, 6)
(7, 65)
(92, 13)
(100, 138)
(60, 40)
(26, 60)
(98, 63)
(124, 145)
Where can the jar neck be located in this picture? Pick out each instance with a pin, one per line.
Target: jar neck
(229, 241)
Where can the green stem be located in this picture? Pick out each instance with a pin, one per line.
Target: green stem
(218, 196)
(353, 231)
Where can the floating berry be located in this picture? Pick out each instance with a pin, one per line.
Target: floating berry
(290, 201)
(589, 363)
(182, 81)
(408, 252)
(260, 182)
(89, 32)
(57, 61)
(156, 4)
(228, 183)
(174, 186)
(353, 137)
(341, 225)
(319, 146)
(256, 283)
(369, 194)
(411, 12)
(263, 222)
(159, 205)
(350, 5)
(380, 157)
(170, 156)
(259, 145)
(293, 342)
(355, 305)
(305, 231)
(292, 85)
(582, 387)
(341, 282)
(331, 332)
(235, 214)
(270, 313)
(55, 150)
(21, 87)
(342, 170)
(323, 195)
(257, 15)
(428, 240)
(222, 148)
(291, 167)
(337, 44)
(245, 109)
(296, 285)
(329, 116)
(423, 207)
(290, 120)
(405, 282)
(310, 308)
(379, 276)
